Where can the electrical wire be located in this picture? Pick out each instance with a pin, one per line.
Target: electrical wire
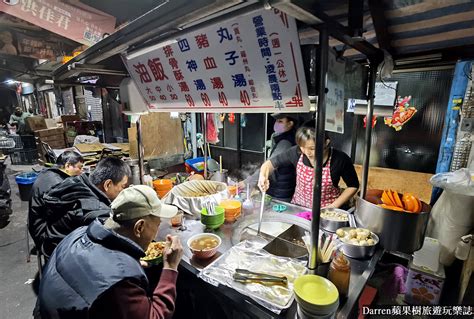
(380, 77)
(467, 70)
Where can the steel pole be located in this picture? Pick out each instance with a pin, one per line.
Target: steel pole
(265, 141)
(204, 136)
(320, 129)
(368, 127)
(141, 150)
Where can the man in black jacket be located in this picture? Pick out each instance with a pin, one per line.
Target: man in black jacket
(68, 164)
(95, 272)
(76, 202)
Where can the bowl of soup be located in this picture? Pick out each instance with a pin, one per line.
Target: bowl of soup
(204, 246)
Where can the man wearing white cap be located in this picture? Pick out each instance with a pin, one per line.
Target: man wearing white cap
(95, 272)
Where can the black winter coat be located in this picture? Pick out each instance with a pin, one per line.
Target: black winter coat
(47, 179)
(283, 181)
(73, 203)
(86, 264)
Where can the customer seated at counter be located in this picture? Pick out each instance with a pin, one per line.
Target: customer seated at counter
(336, 165)
(76, 202)
(95, 272)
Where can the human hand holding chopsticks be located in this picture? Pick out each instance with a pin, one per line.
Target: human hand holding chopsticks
(172, 253)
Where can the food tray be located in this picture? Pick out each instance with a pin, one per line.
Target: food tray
(330, 224)
(248, 255)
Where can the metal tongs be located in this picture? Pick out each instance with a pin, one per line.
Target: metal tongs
(246, 276)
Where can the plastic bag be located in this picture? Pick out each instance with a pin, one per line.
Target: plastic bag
(460, 181)
(453, 214)
(249, 255)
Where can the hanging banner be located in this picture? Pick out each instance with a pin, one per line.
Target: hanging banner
(335, 95)
(77, 21)
(39, 49)
(248, 64)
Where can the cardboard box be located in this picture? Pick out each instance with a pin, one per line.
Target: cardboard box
(424, 287)
(52, 138)
(49, 132)
(35, 123)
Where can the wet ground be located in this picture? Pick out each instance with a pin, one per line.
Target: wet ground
(16, 295)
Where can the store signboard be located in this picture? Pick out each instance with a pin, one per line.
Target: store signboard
(335, 95)
(250, 64)
(77, 21)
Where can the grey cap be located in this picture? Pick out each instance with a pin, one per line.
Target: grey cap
(138, 201)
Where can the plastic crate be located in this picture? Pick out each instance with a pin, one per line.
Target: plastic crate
(6, 143)
(195, 164)
(24, 157)
(17, 139)
(28, 141)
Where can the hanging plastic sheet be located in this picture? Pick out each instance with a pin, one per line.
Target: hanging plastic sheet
(453, 215)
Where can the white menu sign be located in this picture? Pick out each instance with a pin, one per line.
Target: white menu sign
(335, 95)
(251, 63)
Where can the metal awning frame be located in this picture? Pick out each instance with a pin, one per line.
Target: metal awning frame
(148, 30)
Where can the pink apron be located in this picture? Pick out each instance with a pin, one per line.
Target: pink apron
(303, 195)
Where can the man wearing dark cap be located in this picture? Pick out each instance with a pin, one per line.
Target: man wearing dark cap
(284, 179)
(95, 272)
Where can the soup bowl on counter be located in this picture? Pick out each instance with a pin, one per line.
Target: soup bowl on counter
(204, 245)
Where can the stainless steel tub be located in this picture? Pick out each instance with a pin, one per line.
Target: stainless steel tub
(398, 231)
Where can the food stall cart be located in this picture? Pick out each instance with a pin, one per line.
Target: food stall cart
(169, 30)
(361, 269)
(136, 61)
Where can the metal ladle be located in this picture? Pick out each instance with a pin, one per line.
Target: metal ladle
(262, 206)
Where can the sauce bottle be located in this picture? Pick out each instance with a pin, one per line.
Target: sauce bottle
(340, 274)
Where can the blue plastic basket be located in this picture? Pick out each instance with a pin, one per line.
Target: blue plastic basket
(193, 164)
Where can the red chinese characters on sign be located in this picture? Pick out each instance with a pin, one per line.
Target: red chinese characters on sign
(217, 83)
(173, 63)
(281, 71)
(168, 50)
(183, 86)
(142, 71)
(157, 69)
(210, 63)
(202, 41)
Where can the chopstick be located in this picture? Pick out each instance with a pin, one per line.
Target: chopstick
(326, 249)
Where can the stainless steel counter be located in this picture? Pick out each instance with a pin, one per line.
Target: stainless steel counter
(361, 270)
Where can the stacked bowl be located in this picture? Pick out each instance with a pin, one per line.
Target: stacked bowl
(316, 296)
(162, 187)
(215, 220)
(233, 209)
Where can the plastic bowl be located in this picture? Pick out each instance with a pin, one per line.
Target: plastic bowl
(154, 261)
(204, 254)
(316, 295)
(231, 206)
(163, 184)
(213, 221)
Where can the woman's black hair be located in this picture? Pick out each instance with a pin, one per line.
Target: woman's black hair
(307, 131)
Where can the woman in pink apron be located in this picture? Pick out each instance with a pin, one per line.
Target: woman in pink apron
(336, 165)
